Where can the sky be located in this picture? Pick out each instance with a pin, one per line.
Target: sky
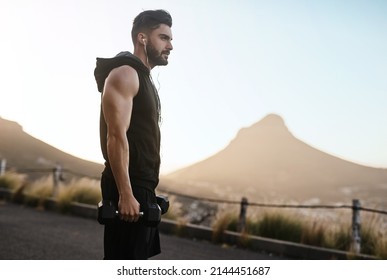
(320, 65)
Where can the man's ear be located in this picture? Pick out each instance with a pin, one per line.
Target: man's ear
(142, 38)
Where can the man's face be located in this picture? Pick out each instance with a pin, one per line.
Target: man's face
(159, 45)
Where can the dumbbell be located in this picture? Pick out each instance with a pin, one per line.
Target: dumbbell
(163, 202)
(150, 214)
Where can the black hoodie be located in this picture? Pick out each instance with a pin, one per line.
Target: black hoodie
(143, 134)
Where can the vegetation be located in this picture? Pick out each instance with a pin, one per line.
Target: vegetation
(12, 181)
(224, 220)
(82, 190)
(295, 228)
(36, 193)
(289, 226)
(174, 211)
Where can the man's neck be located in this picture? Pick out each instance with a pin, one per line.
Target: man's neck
(143, 57)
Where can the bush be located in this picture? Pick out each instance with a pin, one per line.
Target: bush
(12, 181)
(224, 220)
(314, 234)
(36, 193)
(175, 209)
(83, 190)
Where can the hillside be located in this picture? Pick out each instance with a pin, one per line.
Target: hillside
(265, 162)
(22, 151)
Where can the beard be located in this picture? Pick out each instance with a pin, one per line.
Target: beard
(155, 57)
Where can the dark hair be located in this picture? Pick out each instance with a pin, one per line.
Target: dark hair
(149, 20)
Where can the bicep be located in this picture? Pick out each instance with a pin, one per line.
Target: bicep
(117, 110)
(121, 86)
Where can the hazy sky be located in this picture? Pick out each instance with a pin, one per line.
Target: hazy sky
(320, 65)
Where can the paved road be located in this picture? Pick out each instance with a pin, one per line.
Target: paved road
(31, 234)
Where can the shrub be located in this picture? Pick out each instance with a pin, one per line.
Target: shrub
(381, 248)
(83, 190)
(275, 225)
(175, 209)
(314, 234)
(224, 220)
(12, 181)
(36, 193)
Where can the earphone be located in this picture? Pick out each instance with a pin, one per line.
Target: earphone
(146, 53)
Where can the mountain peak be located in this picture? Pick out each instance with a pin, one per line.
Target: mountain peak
(272, 120)
(271, 125)
(10, 126)
(5, 122)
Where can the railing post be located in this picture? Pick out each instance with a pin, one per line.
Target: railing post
(3, 165)
(57, 177)
(242, 215)
(356, 237)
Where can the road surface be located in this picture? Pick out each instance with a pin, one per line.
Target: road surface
(30, 234)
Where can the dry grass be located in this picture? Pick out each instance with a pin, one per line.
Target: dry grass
(82, 190)
(381, 248)
(175, 209)
(290, 226)
(37, 192)
(12, 181)
(225, 219)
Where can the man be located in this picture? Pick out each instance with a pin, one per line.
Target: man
(130, 135)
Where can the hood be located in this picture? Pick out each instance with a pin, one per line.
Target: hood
(105, 65)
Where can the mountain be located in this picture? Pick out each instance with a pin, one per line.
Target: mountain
(22, 151)
(265, 162)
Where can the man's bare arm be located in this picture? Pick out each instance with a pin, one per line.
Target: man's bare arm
(121, 86)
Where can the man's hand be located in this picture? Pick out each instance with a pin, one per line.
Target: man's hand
(129, 208)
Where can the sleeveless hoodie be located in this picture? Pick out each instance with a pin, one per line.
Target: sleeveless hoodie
(144, 133)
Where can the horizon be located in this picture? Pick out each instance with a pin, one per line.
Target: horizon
(319, 65)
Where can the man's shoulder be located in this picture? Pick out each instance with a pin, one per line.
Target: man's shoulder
(123, 73)
(122, 81)
(123, 63)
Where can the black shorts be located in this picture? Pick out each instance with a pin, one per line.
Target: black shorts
(124, 240)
